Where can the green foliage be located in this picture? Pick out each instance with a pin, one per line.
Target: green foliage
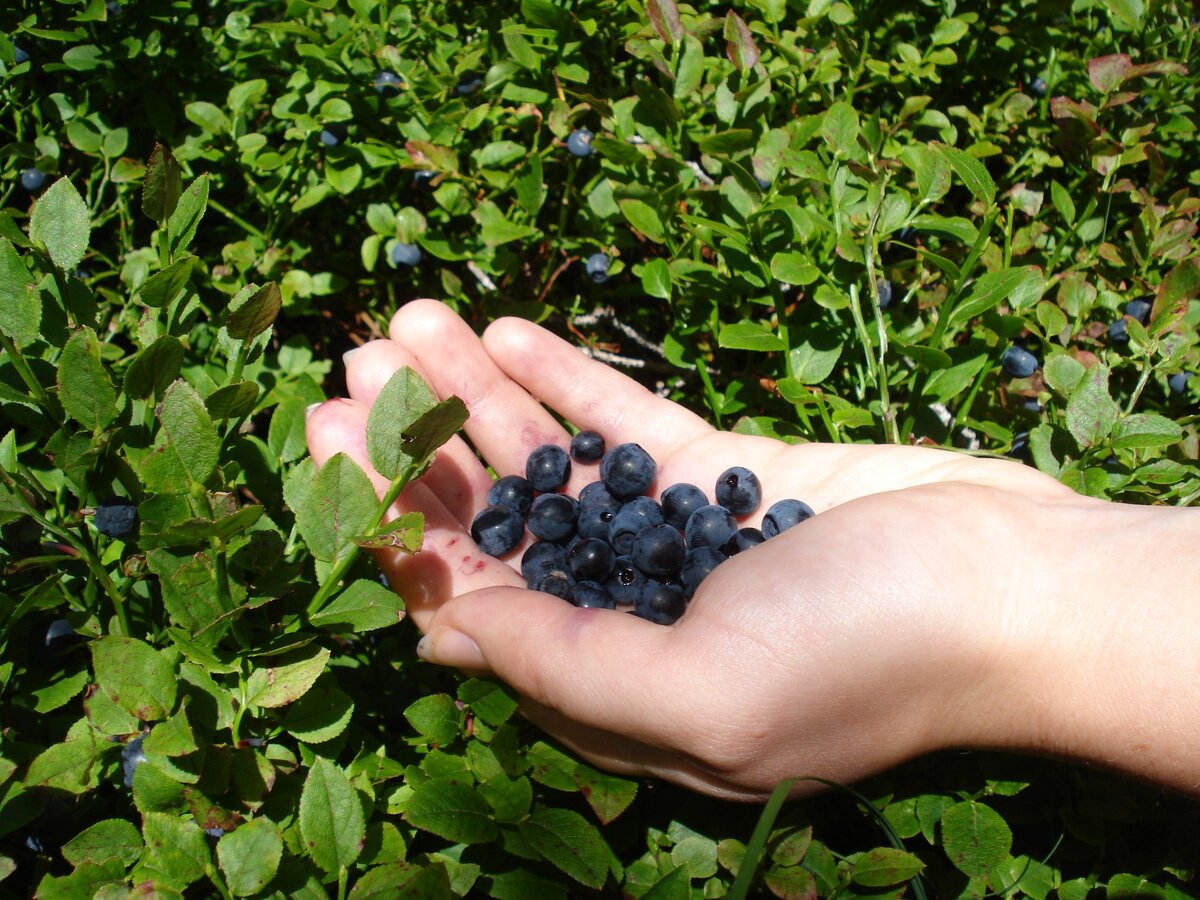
(826, 222)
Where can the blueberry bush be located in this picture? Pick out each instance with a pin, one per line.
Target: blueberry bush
(961, 224)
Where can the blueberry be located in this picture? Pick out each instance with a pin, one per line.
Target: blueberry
(763, 183)
(542, 556)
(587, 447)
(906, 235)
(591, 595)
(60, 635)
(425, 180)
(743, 539)
(697, 565)
(20, 55)
(548, 468)
(658, 551)
(469, 84)
(626, 581)
(554, 582)
(329, 138)
(579, 142)
(627, 471)
(884, 287)
(591, 559)
(388, 83)
(783, 515)
(1020, 446)
(132, 757)
(596, 492)
(739, 491)
(1038, 87)
(679, 501)
(33, 179)
(512, 491)
(710, 526)
(596, 267)
(1018, 362)
(497, 529)
(638, 513)
(660, 603)
(114, 8)
(405, 254)
(1140, 309)
(214, 832)
(596, 518)
(115, 517)
(552, 517)
(1118, 332)
(1178, 382)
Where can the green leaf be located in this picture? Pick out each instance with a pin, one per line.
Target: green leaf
(363, 606)
(656, 279)
(334, 508)
(747, 335)
(975, 837)
(320, 715)
(331, 817)
(109, 839)
(607, 795)
(255, 315)
(436, 718)
(496, 229)
(434, 427)
(1127, 15)
(161, 288)
(288, 679)
(972, 172)
(690, 71)
(452, 811)
(739, 43)
(188, 444)
(1144, 430)
(162, 185)
(232, 401)
(1180, 284)
(207, 115)
(60, 223)
(954, 226)
(59, 692)
(138, 678)
(885, 866)
(839, 129)
(642, 216)
(1062, 372)
(174, 846)
(183, 222)
(69, 766)
(791, 267)
(84, 388)
(1062, 202)
(397, 408)
(1021, 287)
(249, 856)
(1091, 412)
(154, 368)
(571, 843)
(489, 700)
(20, 300)
(401, 880)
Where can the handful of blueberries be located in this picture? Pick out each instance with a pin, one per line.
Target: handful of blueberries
(613, 545)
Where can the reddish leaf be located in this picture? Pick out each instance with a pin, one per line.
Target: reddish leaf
(739, 42)
(664, 16)
(1107, 72)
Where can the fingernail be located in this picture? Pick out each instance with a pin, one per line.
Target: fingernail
(349, 353)
(308, 410)
(448, 647)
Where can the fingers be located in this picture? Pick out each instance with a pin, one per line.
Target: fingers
(604, 669)
(588, 393)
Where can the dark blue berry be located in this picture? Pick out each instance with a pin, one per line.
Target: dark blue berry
(739, 491)
(132, 757)
(710, 526)
(743, 539)
(1178, 382)
(469, 84)
(1038, 87)
(388, 83)
(679, 501)
(1140, 309)
(552, 517)
(548, 468)
(697, 565)
(638, 513)
(596, 492)
(587, 447)
(512, 491)
(115, 517)
(884, 288)
(555, 581)
(60, 635)
(591, 559)
(405, 254)
(1018, 362)
(783, 515)
(20, 55)
(660, 603)
(1118, 332)
(625, 582)
(658, 551)
(497, 529)
(425, 180)
(114, 8)
(591, 595)
(33, 179)
(542, 556)
(579, 142)
(1020, 446)
(596, 518)
(627, 471)
(597, 267)
(329, 138)
(763, 183)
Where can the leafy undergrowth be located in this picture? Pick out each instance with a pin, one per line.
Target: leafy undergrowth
(824, 221)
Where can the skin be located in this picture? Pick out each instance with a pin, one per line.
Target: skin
(935, 601)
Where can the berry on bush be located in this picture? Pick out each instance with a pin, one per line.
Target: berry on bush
(596, 267)
(20, 55)
(1038, 86)
(579, 142)
(405, 254)
(1179, 381)
(884, 288)
(115, 517)
(627, 471)
(548, 468)
(425, 180)
(33, 179)
(1018, 362)
(329, 138)
(132, 757)
(469, 84)
(497, 529)
(388, 83)
(60, 634)
(739, 491)
(1140, 309)
(1118, 331)
(783, 515)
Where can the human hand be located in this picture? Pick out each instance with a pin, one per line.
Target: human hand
(891, 624)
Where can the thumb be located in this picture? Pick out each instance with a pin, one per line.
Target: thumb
(603, 668)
